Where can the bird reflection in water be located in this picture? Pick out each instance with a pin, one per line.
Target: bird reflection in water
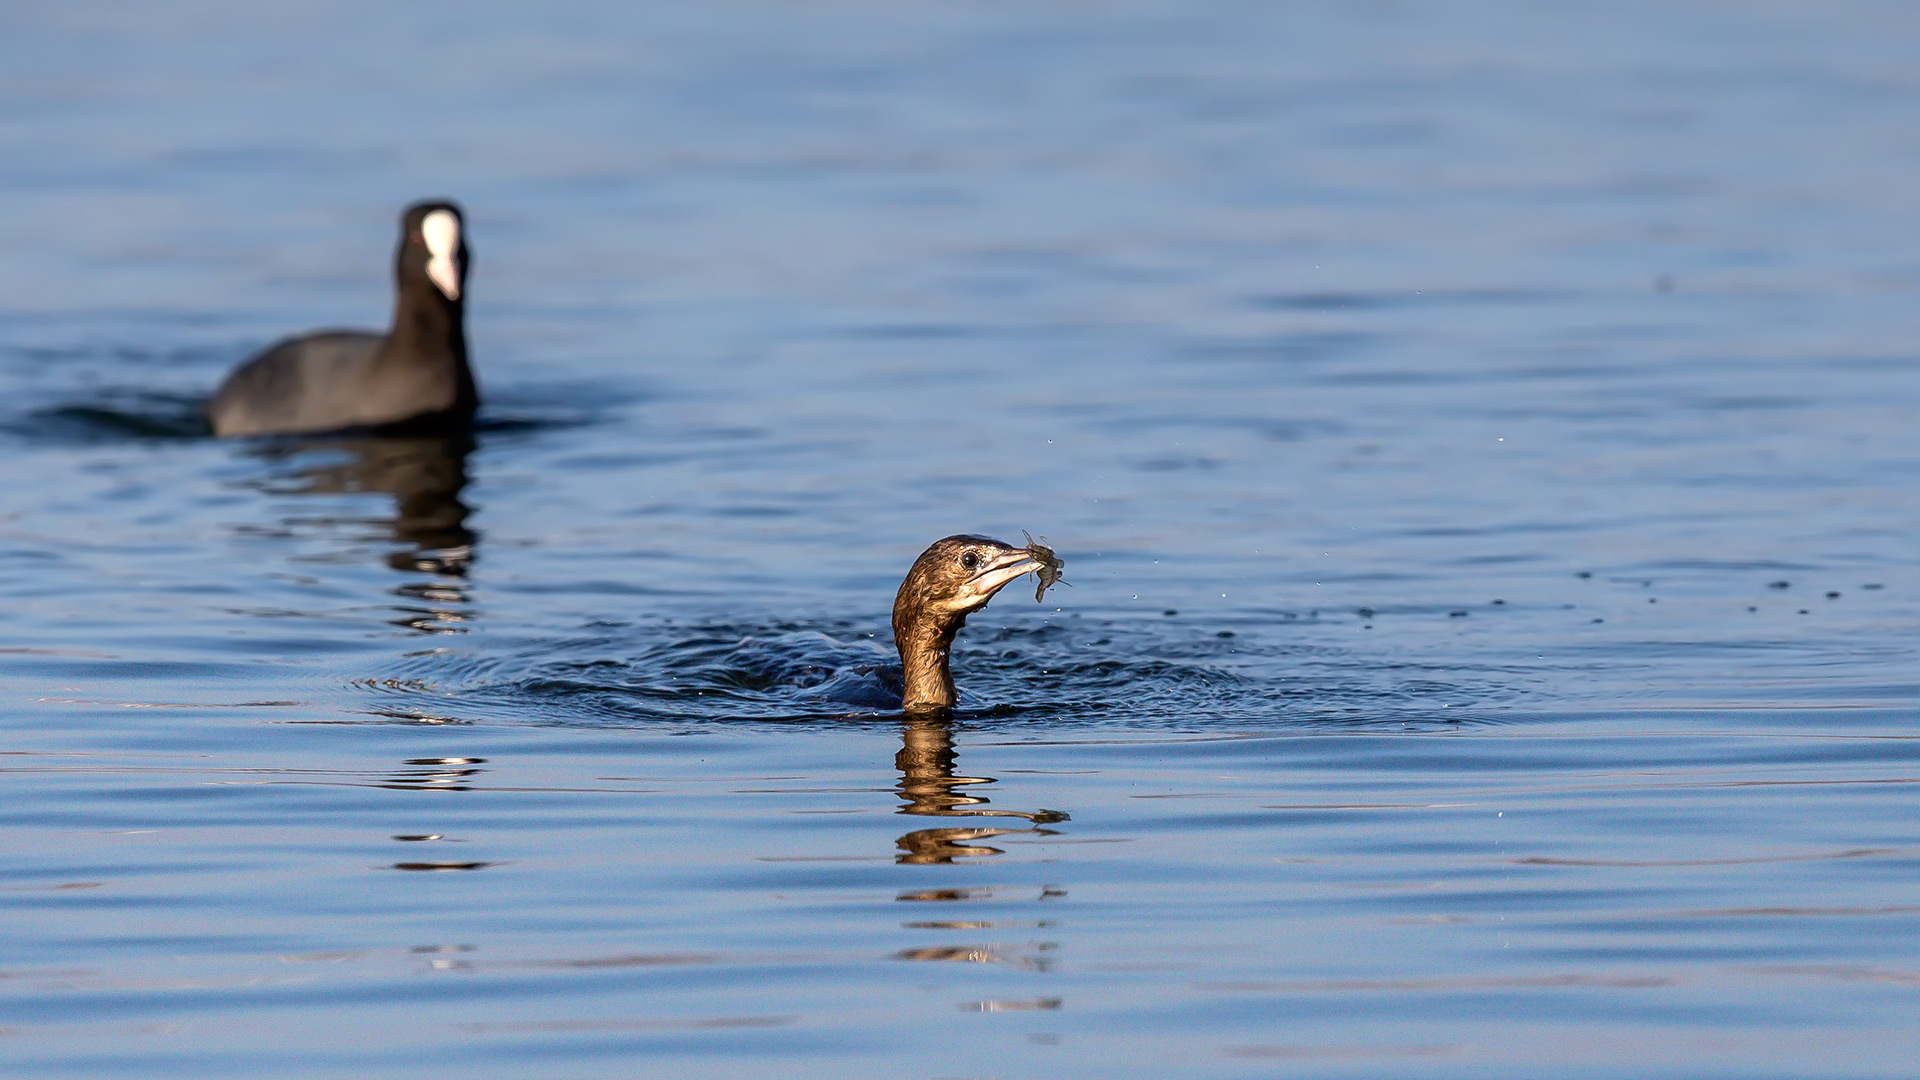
(425, 474)
(435, 774)
(438, 774)
(930, 788)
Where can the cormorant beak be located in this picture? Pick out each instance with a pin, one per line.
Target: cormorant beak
(998, 571)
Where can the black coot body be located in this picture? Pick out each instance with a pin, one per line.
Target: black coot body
(414, 376)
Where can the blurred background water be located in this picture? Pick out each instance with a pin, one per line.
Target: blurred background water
(1480, 436)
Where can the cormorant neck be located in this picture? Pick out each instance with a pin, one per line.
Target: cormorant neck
(923, 661)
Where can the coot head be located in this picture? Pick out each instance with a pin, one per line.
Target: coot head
(433, 247)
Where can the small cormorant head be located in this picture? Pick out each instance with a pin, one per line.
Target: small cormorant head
(954, 578)
(949, 581)
(433, 246)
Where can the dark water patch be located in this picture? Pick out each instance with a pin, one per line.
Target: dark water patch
(1176, 463)
(911, 332)
(121, 416)
(710, 672)
(1445, 296)
(1392, 377)
(100, 394)
(1308, 347)
(1749, 403)
(1709, 565)
(1130, 422)
(491, 423)
(1087, 672)
(149, 415)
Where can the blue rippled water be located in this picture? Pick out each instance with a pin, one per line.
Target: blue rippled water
(1481, 438)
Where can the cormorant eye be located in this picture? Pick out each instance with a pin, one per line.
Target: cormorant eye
(969, 560)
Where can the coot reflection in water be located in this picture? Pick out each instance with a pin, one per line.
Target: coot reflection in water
(425, 474)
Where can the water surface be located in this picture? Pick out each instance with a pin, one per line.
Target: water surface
(1480, 438)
